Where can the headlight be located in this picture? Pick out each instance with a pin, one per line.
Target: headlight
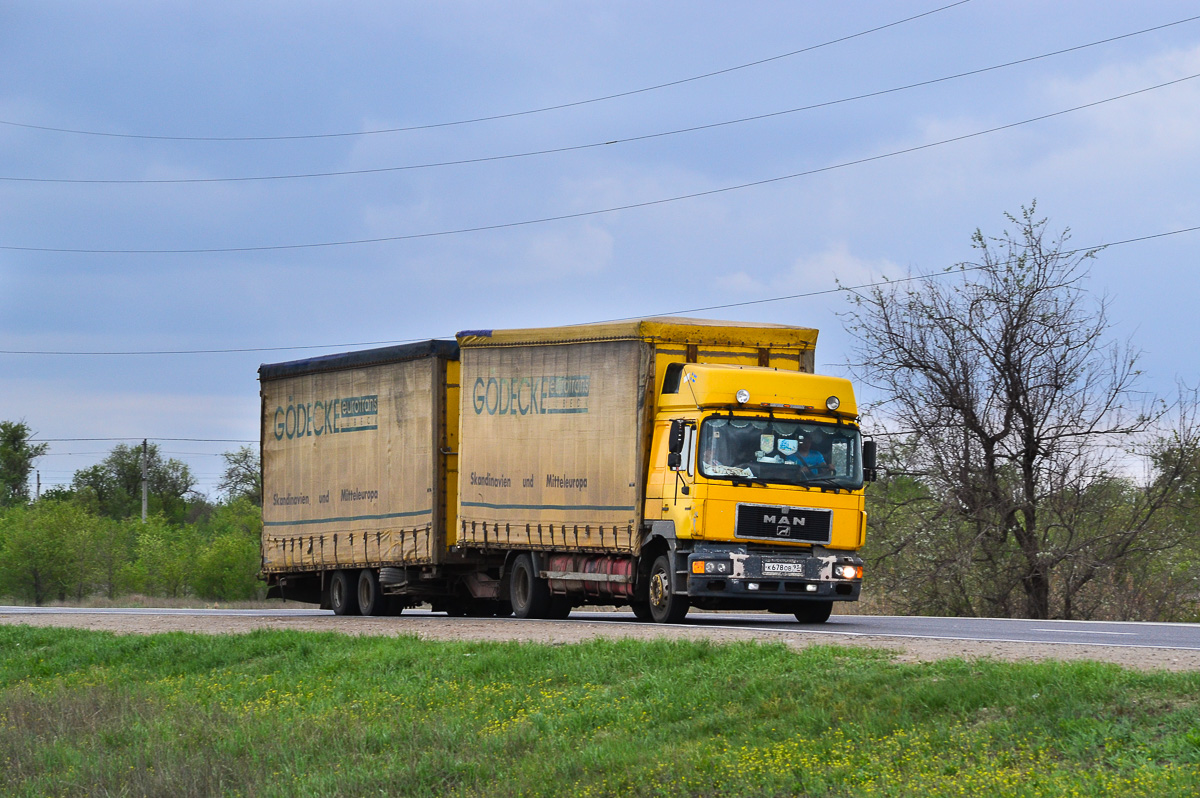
(833, 403)
(847, 572)
(743, 396)
(710, 567)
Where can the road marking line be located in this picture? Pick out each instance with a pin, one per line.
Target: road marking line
(1083, 632)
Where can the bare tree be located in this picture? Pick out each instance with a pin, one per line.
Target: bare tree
(1014, 405)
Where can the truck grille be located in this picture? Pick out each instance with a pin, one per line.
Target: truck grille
(766, 522)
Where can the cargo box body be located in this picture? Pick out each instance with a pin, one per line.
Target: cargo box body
(556, 423)
(354, 471)
(551, 453)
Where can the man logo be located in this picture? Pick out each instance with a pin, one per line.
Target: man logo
(788, 520)
(783, 523)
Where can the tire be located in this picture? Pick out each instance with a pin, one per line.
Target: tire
(342, 593)
(370, 600)
(529, 595)
(666, 606)
(559, 609)
(641, 609)
(814, 611)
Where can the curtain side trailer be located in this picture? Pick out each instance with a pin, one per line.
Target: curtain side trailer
(658, 463)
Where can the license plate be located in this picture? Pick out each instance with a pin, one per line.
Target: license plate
(787, 568)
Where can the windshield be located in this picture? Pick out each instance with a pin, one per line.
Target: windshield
(774, 450)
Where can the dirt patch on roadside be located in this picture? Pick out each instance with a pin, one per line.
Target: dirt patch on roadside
(562, 632)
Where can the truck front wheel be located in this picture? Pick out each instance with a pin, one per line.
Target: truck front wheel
(530, 596)
(666, 606)
(641, 609)
(814, 611)
(343, 597)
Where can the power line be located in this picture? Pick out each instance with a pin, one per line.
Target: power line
(494, 117)
(216, 351)
(592, 145)
(895, 281)
(88, 454)
(962, 268)
(141, 438)
(597, 212)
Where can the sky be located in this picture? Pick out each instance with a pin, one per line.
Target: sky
(131, 222)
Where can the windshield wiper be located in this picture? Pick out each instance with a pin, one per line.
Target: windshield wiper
(832, 482)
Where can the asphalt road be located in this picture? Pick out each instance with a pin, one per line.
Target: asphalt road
(1065, 633)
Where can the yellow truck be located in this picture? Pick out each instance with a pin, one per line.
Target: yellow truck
(659, 463)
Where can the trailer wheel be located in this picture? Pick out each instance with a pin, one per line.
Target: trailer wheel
(341, 594)
(814, 611)
(370, 600)
(530, 596)
(666, 606)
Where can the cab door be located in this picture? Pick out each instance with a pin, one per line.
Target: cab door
(671, 488)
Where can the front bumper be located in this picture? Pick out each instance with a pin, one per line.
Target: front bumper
(762, 578)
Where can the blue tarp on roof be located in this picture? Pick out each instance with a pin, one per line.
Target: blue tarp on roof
(365, 357)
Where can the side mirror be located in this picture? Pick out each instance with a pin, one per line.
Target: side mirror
(870, 453)
(675, 442)
(674, 461)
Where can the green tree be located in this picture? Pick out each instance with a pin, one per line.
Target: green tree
(113, 487)
(165, 555)
(227, 568)
(17, 456)
(46, 551)
(243, 475)
(228, 562)
(240, 515)
(113, 555)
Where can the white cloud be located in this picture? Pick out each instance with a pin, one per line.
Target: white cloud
(818, 271)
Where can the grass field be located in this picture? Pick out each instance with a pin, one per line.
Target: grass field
(289, 713)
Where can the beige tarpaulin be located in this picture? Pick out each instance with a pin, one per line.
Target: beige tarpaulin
(551, 445)
(349, 467)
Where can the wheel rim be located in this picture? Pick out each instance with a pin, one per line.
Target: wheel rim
(364, 593)
(338, 590)
(659, 589)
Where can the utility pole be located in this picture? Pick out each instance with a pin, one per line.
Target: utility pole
(38, 494)
(145, 482)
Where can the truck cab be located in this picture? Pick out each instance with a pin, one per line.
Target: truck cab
(755, 492)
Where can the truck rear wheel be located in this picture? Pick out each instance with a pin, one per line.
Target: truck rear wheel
(370, 600)
(530, 596)
(342, 594)
(814, 611)
(666, 606)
